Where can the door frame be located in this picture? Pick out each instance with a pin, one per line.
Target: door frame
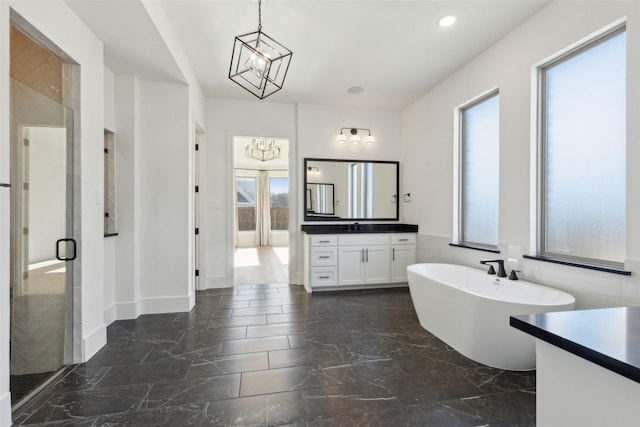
(294, 212)
(71, 72)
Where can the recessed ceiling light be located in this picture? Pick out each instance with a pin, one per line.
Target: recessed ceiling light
(447, 21)
(355, 89)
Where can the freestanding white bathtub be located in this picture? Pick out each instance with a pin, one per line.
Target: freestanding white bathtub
(469, 310)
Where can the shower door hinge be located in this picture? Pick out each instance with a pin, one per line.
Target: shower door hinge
(197, 147)
(106, 150)
(197, 189)
(197, 272)
(197, 230)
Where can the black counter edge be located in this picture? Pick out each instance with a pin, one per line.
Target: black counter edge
(614, 365)
(362, 228)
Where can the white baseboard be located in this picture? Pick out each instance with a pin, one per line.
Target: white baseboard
(94, 341)
(127, 310)
(5, 409)
(110, 314)
(216, 282)
(158, 305)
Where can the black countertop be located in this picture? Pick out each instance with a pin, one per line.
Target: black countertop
(358, 228)
(609, 337)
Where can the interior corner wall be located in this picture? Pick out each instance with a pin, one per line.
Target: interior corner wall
(5, 310)
(109, 242)
(165, 198)
(128, 153)
(427, 149)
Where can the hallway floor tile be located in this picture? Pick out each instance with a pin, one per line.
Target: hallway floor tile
(273, 355)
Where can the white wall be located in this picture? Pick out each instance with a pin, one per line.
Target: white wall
(5, 311)
(226, 119)
(109, 101)
(128, 153)
(311, 130)
(427, 135)
(166, 279)
(110, 242)
(56, 22)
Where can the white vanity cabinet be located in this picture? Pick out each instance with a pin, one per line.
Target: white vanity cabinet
(321, 260)
(334, 261)
(363, 259)
(403, 254)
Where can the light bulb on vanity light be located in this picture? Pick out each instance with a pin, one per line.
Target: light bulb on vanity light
(354, 138)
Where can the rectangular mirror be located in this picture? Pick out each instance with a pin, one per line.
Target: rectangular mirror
(351, 190)
(320, 199)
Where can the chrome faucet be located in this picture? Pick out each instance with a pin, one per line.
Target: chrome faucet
(500, 262)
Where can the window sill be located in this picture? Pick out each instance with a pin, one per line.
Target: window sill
(110, 234)
(605, 269)
(477, 248)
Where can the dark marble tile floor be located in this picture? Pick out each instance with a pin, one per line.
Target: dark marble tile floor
(273, 355)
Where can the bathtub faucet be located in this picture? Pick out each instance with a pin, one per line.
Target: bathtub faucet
(500, 262)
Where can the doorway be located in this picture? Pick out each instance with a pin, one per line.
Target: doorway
(42, 245)
(261, 213)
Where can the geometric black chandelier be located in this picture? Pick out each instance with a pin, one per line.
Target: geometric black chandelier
(259, 63)
(262, 149)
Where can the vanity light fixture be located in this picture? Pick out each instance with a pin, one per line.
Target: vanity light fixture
(355, 138)
(262, 149)
(259, 63)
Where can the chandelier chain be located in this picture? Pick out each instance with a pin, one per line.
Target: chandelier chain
(259, 15)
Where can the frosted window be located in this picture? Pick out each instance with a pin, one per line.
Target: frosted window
(479, 168)
(584, 137)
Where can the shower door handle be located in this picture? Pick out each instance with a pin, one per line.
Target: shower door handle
(65, 258)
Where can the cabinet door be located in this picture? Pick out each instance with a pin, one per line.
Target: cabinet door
(350, 265)
(402, 256)
(376, 265)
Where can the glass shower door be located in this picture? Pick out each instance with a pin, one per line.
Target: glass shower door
(42, 245)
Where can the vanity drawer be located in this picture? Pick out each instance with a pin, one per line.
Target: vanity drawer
(363, 239)
(327, 276)
(321, 256)
(323, 240)
(403, 239)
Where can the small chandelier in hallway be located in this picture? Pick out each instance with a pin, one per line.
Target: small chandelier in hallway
(262, 149)
(259, 63)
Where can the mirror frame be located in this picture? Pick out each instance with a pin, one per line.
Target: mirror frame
(304, 187)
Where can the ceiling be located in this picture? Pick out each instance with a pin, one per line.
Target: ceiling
(394, 49)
